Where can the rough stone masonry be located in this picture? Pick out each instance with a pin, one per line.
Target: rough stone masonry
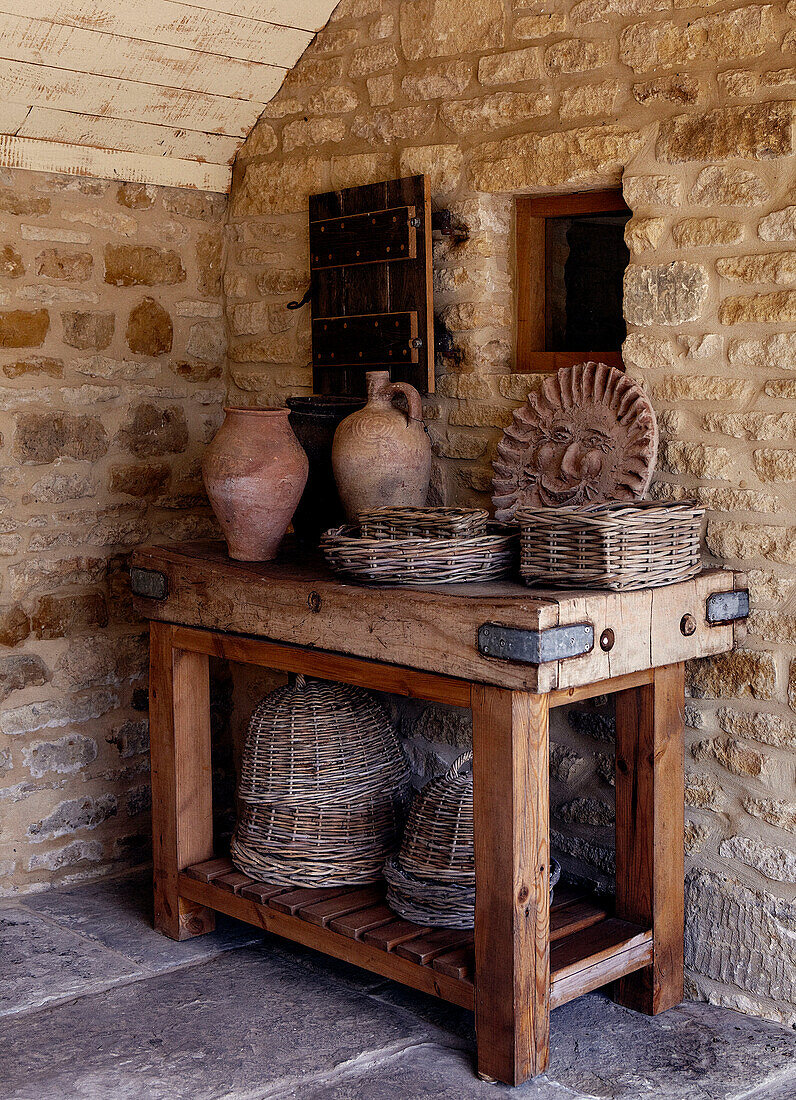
(690, 108)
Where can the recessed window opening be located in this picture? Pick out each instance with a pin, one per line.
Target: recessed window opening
(571, 259)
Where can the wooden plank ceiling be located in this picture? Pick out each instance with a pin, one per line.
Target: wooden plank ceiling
(154, 91)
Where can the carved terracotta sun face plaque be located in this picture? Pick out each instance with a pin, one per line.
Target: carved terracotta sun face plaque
(589, 436)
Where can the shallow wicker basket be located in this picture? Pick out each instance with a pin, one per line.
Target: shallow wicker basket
(421, 560)
(432, 879)
(619, 546)
(323, 790)
(398, 523)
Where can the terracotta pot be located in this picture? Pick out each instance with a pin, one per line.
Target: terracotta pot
(382, 456)
(314, 420)
(254, 472)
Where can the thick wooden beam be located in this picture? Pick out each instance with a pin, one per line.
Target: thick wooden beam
(649, 833)
(182, 809)
(511, 804)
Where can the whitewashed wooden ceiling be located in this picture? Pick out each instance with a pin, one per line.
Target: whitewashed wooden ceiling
(154, 91)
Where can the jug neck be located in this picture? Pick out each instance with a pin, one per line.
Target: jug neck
(378, 383)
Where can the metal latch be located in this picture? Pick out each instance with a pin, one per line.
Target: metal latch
(535, 647)
(150, 584)
(727, 607)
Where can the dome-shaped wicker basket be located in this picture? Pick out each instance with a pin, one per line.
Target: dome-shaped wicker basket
(323, 790)
(432, 879)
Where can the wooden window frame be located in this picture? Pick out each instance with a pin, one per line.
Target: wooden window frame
(532, 213)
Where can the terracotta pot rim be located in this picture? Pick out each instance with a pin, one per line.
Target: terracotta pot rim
(258, 412)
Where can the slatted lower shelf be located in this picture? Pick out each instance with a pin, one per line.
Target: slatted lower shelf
(588, 947)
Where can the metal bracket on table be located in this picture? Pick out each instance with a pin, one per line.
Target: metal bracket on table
(150, 584)
(727, 607)
(535, 647)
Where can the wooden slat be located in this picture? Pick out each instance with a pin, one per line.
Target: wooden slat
(321, 912)
(328, 666)
(42, 42)
(131, 137)
(308, 14)
(80, 160)
(290, 901)
(375, 339)
(182, 797)
(358, 952)
(210, 869)
(377, 236)
(423, 949)
(456, 964)
(574, 918)
(176, 24)
(606, 201)
(261, 891)
(565, 895)
(649, 833)
(45, 86)
(595, 957)
(358, 922)
(389, 936)
(234, 882)
(540, 362)
(530, 258)
(511, 807)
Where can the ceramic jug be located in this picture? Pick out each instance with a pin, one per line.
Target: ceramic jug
(254, 472)
(382, 456)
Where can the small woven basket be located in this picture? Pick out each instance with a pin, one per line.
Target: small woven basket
(618, 546)
(432, 879)
(323, 790)
(421, 560)
(399, 523)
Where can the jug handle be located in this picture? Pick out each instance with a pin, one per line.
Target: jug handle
(412, 396)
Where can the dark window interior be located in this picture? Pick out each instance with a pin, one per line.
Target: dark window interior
(586, 257)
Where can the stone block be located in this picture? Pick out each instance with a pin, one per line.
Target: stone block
(576, 55)
(72, 815)
(777, 863)
(665, 294)
(60, 616)
(450, 28)
(758, 132)
(387, 126)
(11, 265)
(643, 351)
(532, 160)
(18, 673)
(442, 164)
(732, 755)
(585, 811)
(36, 365)
(136, 196)
(60, 263)
(149, 329)
(705, 232)
(131, 738)
(780, 814)
(200, 205)
(372, 59)
(703, 793)
(139, 265)
(65, 756)
(381, 90)
(774, 465)
(480, 416)
(333, 101)
(679, 89)
(23, 328)
(146, 480)
(37, 574)
(779, 225)
(770, 729)
(718, 185)
(643, 191)
(442, 80)
(278, 187)
(511, 67)
(493, 111)
(744, 32)
(14, 201)
(44, 437)
(312, 132)
(209, 263)
(541, 25)
(772, 267)
(765, 353)
(88, 331)
(312, 71)
(644, 234)
(207, 340)
(590, 99)
(151, 431)
(14, 626)
(779, 308)
(278, 348)
(738, 674)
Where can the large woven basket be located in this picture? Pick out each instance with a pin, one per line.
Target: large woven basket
(323, 790)
(399, 523)
(432, 879)
(618, 546)
(417, 560)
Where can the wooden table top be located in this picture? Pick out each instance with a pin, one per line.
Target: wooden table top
(298, 600)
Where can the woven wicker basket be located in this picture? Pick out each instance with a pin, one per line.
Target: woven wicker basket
(617, 546)
(432, 879)
(421, 560)
(323, 789)
(399, 523)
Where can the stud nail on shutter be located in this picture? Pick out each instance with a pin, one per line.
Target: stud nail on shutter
(372, 305)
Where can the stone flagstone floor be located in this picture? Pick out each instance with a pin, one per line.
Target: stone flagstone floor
(95, 1005)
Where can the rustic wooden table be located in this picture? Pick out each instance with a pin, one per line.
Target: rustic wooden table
(509, 653)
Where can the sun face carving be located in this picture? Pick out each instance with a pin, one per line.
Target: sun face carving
(590, 435)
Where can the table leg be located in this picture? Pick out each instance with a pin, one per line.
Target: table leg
(649, 833)
(512, 871)
(182, 797)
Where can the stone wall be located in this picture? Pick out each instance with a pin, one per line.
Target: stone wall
(111, 359)
(690, 108)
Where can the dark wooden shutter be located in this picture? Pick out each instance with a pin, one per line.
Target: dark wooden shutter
(372, 304)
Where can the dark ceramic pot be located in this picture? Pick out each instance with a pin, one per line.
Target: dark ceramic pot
(314, 421)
